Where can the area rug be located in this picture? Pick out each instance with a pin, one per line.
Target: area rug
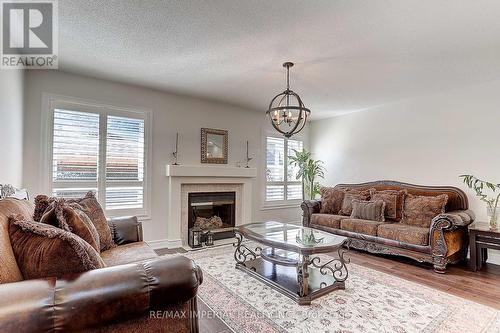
(372, 302)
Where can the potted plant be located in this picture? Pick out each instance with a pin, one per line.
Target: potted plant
(480, 186)
(308, 170)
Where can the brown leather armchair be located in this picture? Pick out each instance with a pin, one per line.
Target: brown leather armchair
(151, 295)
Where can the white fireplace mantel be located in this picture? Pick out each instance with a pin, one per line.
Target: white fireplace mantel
(184, 179)
(209, 171)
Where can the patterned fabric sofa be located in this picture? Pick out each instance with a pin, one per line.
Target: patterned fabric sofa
(444, 241)
(136, 292)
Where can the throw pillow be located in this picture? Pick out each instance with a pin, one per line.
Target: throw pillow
(420, 210)
(394, 202)
(351, 195)
(331, 200)
(94, 211)
(71, 217)
(42, 203)
(91, 207)
(42, 250)
(368, 210)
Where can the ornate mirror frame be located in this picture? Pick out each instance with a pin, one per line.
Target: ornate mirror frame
(204, 147)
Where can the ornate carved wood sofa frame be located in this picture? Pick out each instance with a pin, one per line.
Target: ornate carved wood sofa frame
(448, 233)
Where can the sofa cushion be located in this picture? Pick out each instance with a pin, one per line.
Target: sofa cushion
(331, 200)
(91, 207)
(42, 250)
(128, 253)
(327, 220)
(394, 202)
(351, 195)
(368, 210)
(9, 270)
(404, 233)
(420, 210)
(71, 217)
(365, 227)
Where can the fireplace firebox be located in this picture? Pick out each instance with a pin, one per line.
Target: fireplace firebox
(214, 211)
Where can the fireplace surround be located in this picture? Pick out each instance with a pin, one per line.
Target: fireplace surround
(185, 179)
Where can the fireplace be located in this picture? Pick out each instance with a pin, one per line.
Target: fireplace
(214, 211)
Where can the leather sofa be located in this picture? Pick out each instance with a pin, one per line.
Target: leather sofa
(137, 291)
(444, 242)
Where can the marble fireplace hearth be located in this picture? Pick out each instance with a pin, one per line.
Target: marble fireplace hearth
(183, 179)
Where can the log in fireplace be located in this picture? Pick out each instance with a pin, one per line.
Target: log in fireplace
(214, 211)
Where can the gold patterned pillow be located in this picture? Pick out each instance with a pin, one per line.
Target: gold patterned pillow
(394, 202)
(331, 200)
(419, 210)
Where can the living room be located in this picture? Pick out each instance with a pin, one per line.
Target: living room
(316, 166)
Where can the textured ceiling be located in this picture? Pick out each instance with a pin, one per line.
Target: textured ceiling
(349, 55)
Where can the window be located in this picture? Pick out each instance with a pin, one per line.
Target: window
(101, 150)
(282, 186)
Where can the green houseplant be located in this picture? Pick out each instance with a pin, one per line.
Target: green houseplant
(480, 186)
(308, 171)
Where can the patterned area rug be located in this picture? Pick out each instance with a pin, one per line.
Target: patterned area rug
(372, 302)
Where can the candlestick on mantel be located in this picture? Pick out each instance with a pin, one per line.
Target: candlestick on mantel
(248, 159)
(175, 153)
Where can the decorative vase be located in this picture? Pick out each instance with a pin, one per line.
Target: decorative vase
(493, 214)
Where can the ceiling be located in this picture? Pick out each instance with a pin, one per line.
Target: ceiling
(349, 55)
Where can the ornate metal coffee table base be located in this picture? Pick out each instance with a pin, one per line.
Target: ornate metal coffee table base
(303, 279)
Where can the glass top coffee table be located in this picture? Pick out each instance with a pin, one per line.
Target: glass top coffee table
(286, 259)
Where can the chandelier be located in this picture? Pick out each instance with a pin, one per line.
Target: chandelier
(287, 112)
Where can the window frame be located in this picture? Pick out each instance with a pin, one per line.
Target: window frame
(276, 204)
(51, 102)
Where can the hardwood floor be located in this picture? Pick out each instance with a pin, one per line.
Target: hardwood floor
(481, 287)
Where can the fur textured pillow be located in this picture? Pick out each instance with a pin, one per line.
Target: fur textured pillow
(42, 203)
(331, 200)
(368, 210)
(71, 217)
(419, 210)
(394, 202)
(351, 195)
(42, 250)
(90, 206)
(94, 211)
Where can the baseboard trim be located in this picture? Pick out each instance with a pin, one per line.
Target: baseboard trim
(165, 243)
(493, 257)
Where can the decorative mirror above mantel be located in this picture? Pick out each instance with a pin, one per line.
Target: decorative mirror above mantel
(214, 146)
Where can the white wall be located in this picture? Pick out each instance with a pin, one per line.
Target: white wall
(429, 140)
(11, 126)
(171, 113)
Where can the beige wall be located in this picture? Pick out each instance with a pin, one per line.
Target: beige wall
(11, 127)
(171, 113)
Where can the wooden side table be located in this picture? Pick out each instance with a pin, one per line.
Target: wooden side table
(481, 238)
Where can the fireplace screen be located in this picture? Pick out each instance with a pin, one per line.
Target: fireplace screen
(213, 211)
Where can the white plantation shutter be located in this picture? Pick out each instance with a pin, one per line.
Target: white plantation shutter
(124, 163)
(281, 183)
(101, 152)
(275, 169)
(75, 153)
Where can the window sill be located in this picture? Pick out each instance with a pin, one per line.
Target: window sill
(280, 206)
